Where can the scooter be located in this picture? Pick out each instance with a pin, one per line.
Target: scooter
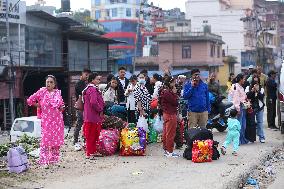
(220, 112)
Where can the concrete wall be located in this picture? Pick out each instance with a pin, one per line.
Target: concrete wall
(170, 54)
(225, 23)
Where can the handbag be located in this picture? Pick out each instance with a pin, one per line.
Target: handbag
(79, 105)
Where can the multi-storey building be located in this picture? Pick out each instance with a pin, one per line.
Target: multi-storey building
(120, 18)
(225, 19)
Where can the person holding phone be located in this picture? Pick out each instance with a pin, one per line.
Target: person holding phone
(197, 94)
(255, 93)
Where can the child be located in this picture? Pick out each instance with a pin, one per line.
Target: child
(233, 134)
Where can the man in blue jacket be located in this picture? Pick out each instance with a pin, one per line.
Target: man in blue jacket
(196, 92)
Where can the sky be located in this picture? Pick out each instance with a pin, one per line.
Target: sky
(76, 4)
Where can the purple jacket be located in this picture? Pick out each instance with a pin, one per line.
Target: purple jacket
(93, 104)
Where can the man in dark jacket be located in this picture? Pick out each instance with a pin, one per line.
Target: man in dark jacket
(271, 88)
(122, 85)
(79, 87)
(196, 92)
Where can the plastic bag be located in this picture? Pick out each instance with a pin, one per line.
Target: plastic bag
(142, 123)
(158, 124)
(202, 151)
(132, 142)
(152, 134)
(108, 142)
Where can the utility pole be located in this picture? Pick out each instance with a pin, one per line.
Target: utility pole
(137, 35)
(10, 64)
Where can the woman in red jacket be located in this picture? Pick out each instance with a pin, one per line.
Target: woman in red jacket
(169, 105)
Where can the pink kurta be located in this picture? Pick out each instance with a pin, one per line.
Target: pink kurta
(52, 125)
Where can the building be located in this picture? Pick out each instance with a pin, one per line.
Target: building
(120, 18)
(186, 50)
(225, 19)
(43, 44)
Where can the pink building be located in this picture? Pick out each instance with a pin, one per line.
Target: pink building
(187, 50)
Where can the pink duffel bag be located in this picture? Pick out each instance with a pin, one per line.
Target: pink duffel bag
(108, 142)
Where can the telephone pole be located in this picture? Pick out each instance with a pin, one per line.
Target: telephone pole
(10, 63)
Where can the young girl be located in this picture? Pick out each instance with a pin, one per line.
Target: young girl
(130, 103)
(110, 92)
(233, 134)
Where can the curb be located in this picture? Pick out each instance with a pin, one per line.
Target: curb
(238, 181)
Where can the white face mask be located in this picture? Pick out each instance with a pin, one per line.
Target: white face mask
(142, 81)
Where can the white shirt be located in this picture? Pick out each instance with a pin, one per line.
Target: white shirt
(157, 87)
(130, 102)
(109, 95)
(122, 81)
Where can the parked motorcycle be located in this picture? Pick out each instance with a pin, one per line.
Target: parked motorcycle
(220, 112)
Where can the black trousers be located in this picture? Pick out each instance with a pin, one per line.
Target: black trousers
(79, 123)
(271, 112)
(131, 116)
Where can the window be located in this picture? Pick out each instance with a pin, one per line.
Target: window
(212, 50)
(137, 13)
(24, 126)
(218, 51)
(205, 21)
(172, 28)
(98, 14)
(128, 12)
(179, 24)
(114, 12)
(186, 51)
(97, 2)
(107, 12)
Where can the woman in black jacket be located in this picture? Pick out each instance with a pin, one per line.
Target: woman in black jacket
(255, 93)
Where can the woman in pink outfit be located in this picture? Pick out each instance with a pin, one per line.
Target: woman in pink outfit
(48, 99)
(93, 114)
(239, 99)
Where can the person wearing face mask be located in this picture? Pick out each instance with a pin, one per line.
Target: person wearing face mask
(49, 100)
(142, 96)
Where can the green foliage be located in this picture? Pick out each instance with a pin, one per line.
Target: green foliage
(28, 143)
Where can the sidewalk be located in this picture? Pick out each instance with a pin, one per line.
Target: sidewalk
(156, 171)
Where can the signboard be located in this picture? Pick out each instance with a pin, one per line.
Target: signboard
(17, 11)
(161, 29)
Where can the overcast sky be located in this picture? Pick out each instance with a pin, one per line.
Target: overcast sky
(76, 4)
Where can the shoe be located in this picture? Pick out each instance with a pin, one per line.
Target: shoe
(77, 147)
(173, 155)
(223, 150)
(262, 140)
(235, 153)
(166, 152)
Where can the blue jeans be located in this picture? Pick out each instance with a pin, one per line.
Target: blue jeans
(242, 120)
(259, 124)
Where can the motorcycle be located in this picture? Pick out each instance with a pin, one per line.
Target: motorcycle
(220, 112)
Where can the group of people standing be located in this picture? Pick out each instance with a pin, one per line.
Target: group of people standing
(141, 92)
